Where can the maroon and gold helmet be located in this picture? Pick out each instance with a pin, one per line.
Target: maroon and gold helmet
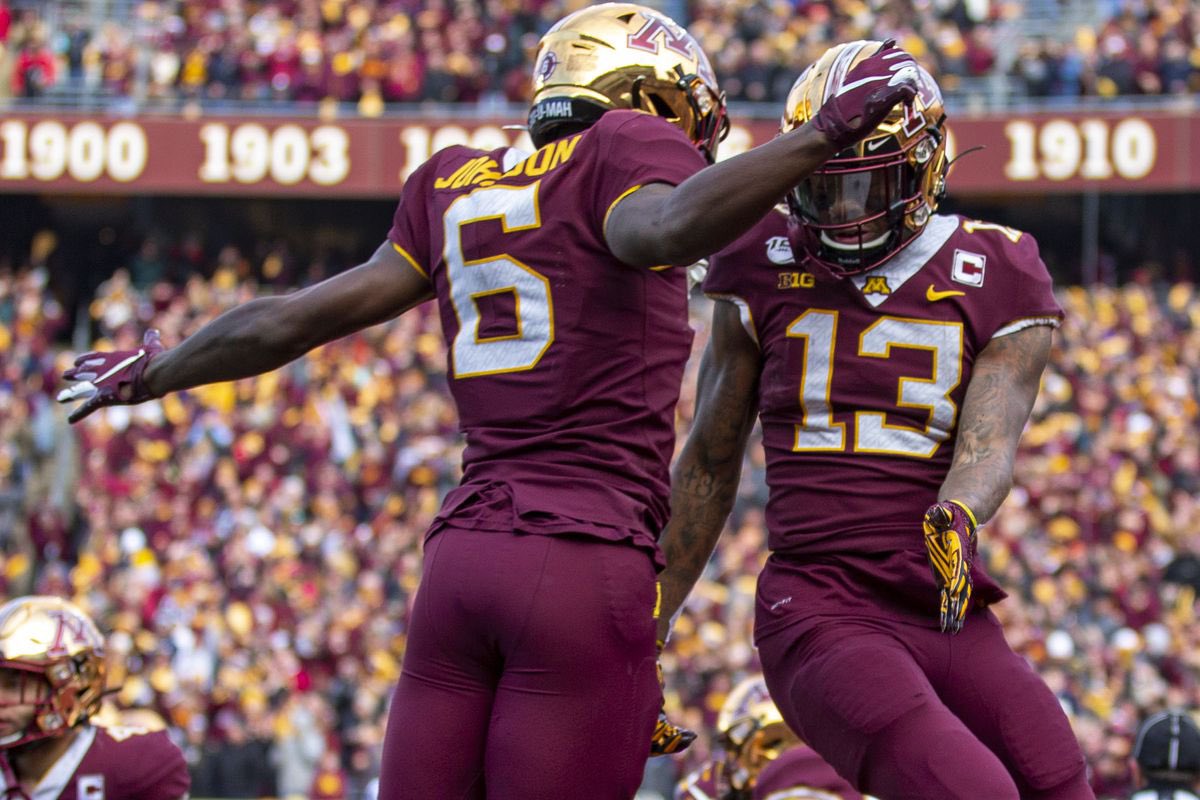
(56, 655)
(752, 731)
(873, 198)
(624, 56)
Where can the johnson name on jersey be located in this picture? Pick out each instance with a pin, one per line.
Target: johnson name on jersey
(564, 362)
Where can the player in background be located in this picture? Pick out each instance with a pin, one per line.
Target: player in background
(763, 759)
(530, 670)
(1166, 757)
(53, 745)
(893, 356)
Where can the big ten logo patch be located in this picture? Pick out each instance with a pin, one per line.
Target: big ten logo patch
(795, 280)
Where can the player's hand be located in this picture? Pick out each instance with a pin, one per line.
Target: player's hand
(867, 95)
(950, 544)
(668, 738)
(110, 379)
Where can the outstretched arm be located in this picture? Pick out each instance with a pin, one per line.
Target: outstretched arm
(999, 398)
(705, 478)
(660, 224)
(267, 333)
(252, 338)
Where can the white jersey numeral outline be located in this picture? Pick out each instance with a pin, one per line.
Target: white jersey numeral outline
(516, 208)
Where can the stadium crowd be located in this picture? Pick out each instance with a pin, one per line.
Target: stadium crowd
(379, 52)
(253, 548)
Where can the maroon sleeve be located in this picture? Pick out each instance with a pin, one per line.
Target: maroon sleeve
(410, 223)
(636, 149)
(1006, 264)
(150, 767)
(1033, 289)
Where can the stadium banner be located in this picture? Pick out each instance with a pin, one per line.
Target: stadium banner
(305, 156)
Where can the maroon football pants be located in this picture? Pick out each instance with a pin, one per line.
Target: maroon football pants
(907, 712)
(529, 671)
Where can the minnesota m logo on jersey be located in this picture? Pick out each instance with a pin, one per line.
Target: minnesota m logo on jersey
(877, 284)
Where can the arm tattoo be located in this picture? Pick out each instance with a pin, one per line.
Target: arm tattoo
(705, 478)
(999, 399)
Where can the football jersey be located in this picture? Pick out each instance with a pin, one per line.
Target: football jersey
(797, 774)
(112, 763)
(565, 363)
(861, 387)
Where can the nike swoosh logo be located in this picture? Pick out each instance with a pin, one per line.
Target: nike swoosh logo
(861, 82)
(933, 295)
(875, 144)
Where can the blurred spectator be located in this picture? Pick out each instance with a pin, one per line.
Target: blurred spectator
(35, 68)
(471, 51)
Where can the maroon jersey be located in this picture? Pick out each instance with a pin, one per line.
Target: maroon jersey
(118, 762)
(797, 773)
(564, 362)
(862, 383)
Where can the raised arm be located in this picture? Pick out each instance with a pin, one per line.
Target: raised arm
(679, 225)
(705, 477)
(999, 399)
(253, 338)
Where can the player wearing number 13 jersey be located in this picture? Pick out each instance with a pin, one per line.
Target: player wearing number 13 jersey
(893, 356)
(530, 663)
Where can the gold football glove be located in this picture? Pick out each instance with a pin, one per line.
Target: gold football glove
(950, 544)
(668, 738)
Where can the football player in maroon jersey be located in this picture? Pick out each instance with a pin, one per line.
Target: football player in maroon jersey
(893, 356)
(53, 746)
(530, 663)
(763, 759)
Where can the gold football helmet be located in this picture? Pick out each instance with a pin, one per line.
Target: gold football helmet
(752, 731)
(56, 655)
(624, 56)
(873, 198)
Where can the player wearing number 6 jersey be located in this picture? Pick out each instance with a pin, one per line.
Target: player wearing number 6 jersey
(893, 356)
(530, 663)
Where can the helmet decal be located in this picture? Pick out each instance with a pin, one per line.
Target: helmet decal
(657, 29)
(547, 65)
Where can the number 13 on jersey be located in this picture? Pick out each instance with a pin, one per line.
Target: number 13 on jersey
(516, 208)
(818, 431)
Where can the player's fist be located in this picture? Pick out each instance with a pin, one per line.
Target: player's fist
(950, 541)
(867, 95)
(668, 738)
(110, 379)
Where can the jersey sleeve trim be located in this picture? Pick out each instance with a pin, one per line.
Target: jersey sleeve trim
(613, 204)
(744, 313)
(1026, 322)
(412, 261)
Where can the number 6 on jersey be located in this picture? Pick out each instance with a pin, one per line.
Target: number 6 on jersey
(516, 208)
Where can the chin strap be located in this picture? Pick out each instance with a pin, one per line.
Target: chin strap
(12, 786)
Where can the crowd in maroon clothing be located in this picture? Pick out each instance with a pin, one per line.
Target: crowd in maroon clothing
(253, 548)
(381, 52)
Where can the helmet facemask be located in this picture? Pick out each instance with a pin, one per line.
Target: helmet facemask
(52, 658)
(872, 199)
(857, 211)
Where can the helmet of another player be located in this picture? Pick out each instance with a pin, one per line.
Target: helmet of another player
(873, 198)
(624, 56)
(752, 732)
(52, 661)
